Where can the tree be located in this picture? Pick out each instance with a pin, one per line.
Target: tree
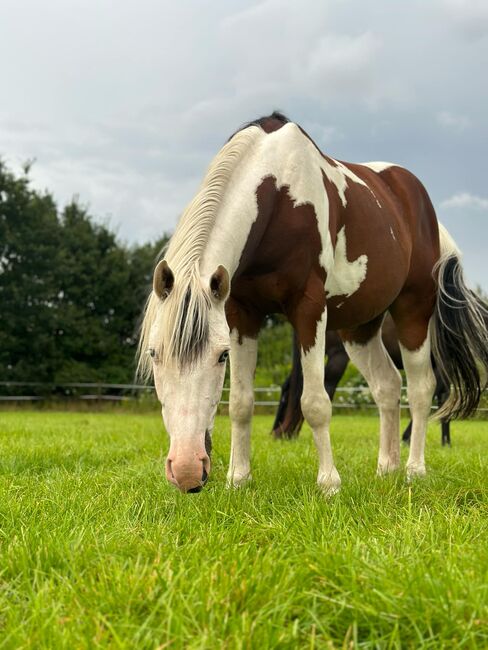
(70, 294)
(29, 249)
(102, 291)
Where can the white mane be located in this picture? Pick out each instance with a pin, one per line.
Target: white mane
(183, 316)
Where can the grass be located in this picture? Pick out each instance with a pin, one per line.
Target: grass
(97, 551)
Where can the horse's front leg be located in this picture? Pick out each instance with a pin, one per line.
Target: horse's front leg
(243, 355)
(315, 402)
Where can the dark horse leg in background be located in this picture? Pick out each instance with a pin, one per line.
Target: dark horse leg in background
(289, 417)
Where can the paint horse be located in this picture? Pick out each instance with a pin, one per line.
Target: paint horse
(289, 416)
(278, 226)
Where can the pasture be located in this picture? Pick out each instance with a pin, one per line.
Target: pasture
(98, 551)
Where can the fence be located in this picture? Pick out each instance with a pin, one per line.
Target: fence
(348, 397)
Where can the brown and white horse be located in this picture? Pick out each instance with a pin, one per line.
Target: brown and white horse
(277, 226)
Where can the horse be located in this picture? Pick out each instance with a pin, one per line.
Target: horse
(289, 416)
(277, 226)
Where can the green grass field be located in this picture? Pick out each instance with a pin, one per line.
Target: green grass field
(97, 550)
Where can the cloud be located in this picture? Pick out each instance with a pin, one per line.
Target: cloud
(465, 200)
(452, 121)
(469, 18)
(299, 53)
(343, 63)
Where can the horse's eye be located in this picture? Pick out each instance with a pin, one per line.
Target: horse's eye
(224, 356)
(151, 352)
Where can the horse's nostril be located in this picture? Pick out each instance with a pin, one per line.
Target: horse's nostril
(195, 489)
(204, 476)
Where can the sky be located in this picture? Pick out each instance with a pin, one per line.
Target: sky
(124, 103)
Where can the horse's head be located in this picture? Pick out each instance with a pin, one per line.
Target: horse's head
(185, 343)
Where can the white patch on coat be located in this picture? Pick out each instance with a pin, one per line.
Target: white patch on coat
(338, 175)
(392, 233)
(378, 166)
(345, 277)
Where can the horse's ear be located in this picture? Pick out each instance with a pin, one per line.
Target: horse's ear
(163, 280)
(220, 283)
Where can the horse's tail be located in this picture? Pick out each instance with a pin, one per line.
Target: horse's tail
(289, 416)
(459, 334)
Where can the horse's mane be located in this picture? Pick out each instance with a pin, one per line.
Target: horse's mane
(184, 314)
(267, 122)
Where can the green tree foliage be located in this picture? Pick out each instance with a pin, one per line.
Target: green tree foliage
(274, 352)
(70, 293)
(30, 239)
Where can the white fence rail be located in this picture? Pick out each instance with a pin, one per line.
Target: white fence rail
(104, 392)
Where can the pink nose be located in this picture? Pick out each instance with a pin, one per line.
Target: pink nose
(188, 473)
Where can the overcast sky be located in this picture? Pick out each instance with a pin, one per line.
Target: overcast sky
(124, 103)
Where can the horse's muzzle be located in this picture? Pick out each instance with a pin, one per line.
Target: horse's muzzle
(188, 473)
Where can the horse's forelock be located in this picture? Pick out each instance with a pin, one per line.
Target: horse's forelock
(191, 329)
(183, 328)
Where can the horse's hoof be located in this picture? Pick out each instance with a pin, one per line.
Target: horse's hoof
(238, 480)
(387, 467)
(415, 471)
(329, 484)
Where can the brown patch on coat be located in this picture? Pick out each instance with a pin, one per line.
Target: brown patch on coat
(278, 274)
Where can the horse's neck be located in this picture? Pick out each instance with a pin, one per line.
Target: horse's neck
(237, 212)
(292, 159)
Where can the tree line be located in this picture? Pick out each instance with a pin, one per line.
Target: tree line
(71, 294)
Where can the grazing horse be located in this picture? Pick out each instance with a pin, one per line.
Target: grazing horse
(289, 416)
(277, 226)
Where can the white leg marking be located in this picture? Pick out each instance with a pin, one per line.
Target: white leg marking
(385, 382)
(420, 389)
(317, 409)
(241, 402)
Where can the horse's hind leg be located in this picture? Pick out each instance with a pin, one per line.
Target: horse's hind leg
(412, 314)
(369, 355)
(315, 402)
(420, 390)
